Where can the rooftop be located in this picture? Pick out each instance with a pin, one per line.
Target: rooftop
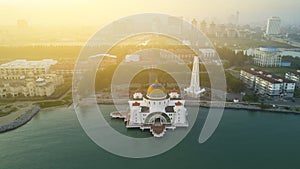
(271, 80)
(156, 91)
(295, 73)
(270, 77)
(29, 64)
(268, 49)
(253, 72)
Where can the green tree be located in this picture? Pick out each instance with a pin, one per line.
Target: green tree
(233, 84)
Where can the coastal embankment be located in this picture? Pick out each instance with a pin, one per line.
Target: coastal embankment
(247, 106)
(218, 104)
(21, 120)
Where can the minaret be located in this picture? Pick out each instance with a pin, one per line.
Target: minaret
(194, 89)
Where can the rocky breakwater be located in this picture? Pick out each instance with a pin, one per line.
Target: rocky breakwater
(23, 119)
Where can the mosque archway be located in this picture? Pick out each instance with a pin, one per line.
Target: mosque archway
(151, 118)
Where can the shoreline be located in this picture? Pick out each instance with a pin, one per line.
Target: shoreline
(225, 105)
(29, 114)
(21, 120)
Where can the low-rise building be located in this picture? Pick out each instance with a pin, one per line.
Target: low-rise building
(266, 83)
(248, 77)
(28, 78)
(267, 57)
(209, 56)
(294, 76)
(15, 69)
(44, 85)
(178, 55)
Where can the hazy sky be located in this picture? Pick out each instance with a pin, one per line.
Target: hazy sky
(99, 12)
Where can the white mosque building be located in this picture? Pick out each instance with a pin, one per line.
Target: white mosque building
(156, 111)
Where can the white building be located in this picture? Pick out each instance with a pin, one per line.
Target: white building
(248, 76)
(21, 67)
(207, 52)
(265, 85)
(209, 56)
(249, 52)
(269, 84)
(44, 85)
(23, 78)
(267, 57)
(273, 26)
(178, 55)
(294, 76)
(156, 111)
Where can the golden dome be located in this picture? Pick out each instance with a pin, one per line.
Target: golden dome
(156, 91)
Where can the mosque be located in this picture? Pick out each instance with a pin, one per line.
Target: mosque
(156, 110)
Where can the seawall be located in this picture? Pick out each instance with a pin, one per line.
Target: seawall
(215, 104)
(23, 119)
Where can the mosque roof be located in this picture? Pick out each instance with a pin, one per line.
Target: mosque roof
(156, 91)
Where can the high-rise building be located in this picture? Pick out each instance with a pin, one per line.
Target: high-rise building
(273, 26)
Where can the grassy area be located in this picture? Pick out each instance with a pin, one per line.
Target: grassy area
(234, 84)
(64, 101)
(47, 104)
(7, 110)
(68, 97)
(234, 73)
(250, 98)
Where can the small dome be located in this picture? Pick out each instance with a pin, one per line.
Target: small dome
(156, 91)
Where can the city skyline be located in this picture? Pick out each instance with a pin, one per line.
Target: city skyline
(99, 13)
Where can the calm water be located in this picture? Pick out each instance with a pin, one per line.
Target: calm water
(291, 53)
(54, 139)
